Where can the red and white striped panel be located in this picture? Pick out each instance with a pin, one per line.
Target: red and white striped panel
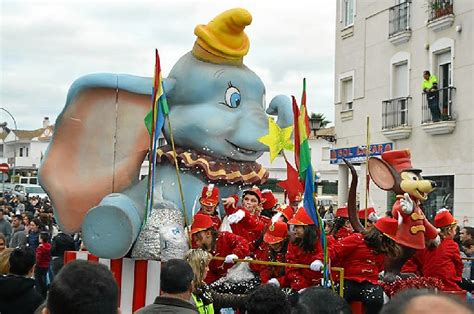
(138, 280)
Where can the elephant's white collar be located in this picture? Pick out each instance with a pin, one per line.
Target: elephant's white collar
(235, 172)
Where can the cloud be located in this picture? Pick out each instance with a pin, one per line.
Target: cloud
(46, 45)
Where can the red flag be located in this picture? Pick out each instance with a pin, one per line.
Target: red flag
(292, 184)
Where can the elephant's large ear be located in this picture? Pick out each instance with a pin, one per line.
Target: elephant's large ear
(99, 143)
(382, 174)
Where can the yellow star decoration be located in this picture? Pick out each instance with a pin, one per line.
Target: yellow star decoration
(277, 138)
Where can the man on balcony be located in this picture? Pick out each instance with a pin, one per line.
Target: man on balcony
(430, 88)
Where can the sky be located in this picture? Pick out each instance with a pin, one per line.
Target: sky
(46, 45)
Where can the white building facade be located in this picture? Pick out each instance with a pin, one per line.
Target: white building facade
(382, 49)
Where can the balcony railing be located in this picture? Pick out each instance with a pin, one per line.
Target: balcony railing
(440, 8)
(438, 106)
(399, 18)
(395, 112)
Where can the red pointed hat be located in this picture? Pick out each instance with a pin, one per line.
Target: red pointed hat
(201, 222)
(276, 232)
(361, 213)
(400, 160)
(286, 211)
(209, 195)
(444, 219)
(388, 226)
(301, 218)
(342, 212)
(269, 200)
(255, 191)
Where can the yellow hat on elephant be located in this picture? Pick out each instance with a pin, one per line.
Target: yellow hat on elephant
(223, 40)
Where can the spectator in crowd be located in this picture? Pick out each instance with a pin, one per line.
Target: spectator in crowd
(466, 233)
(43, 259)
(4, 261)
(3, 242)
(329, 215)
(415, 301)
(17, 292)
(5, 226)
(176, 288)
(33, 234)
(468, 266)
(206, 299)
(19, 236)
(318, 300)
(83, 287)
(59, 245)
(430, 88)
(268, 299)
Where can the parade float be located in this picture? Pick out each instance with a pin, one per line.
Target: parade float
(211, 111)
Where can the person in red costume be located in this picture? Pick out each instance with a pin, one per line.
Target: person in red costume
(304, 249)
(269, 203)
(362, 257)
(284, 213)
(209, 201)
(273, 248)
(224, 244)
(246, 220)
(444, 262)
(371, 217)
(342, 227)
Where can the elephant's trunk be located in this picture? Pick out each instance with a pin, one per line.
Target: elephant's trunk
(351, 201)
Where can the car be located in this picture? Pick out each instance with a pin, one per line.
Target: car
(29, 190)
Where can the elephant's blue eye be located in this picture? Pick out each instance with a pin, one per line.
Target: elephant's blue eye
(232, 97)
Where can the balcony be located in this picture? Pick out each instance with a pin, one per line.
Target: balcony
(399, 23)
(395, 124)
(441, 14)
(437, 111)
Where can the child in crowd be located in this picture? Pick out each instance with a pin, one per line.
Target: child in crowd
(43, 259)
(342, 227)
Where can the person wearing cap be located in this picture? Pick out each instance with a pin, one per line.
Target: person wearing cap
(362, 257)
(305, 248)
(209, 200)
(273, 249)
(270, 202)
(285, 212)
(246, 220)
(371, 217)
(444, 261)
(342, 227)
(223, 244)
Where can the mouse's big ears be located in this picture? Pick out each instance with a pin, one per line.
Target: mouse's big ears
(382, 173)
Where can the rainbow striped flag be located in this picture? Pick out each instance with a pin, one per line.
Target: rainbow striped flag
(154, 122)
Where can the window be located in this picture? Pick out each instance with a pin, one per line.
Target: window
(347, 96)
(161, 141)
(441, 196)
(325, 153)
(26, 155)
(1, 150)
(21, 152)
(348, 12)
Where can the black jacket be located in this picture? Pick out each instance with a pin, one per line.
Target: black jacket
(18, 295)
(167, 305)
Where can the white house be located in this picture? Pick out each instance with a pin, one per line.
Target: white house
(382, 49)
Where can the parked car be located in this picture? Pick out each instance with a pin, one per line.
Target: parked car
(29, 190)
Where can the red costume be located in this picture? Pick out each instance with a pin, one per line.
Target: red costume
(216, 221)
(210, 198)
(227, 243)
(251, 226)
(299, 278)
(276, 233)
(343, 233)
(43, 255)
(360, 262)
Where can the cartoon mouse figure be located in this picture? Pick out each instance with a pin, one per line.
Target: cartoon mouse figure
(395, 173)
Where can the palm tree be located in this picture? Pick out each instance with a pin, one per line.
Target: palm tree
(320, 118)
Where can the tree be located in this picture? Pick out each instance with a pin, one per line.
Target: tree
(320, 117)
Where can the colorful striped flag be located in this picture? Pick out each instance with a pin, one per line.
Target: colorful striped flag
(303, 132)
(154, 122)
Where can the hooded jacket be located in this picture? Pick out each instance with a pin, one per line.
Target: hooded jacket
(18, 295)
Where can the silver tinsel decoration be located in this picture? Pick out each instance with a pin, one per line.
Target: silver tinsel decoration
(164, 224)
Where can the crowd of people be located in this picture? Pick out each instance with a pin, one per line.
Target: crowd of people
(255, 226)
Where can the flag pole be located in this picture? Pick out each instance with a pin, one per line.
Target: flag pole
(367, 178)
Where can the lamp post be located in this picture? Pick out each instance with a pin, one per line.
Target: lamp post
(14, 145)
(314, 124)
